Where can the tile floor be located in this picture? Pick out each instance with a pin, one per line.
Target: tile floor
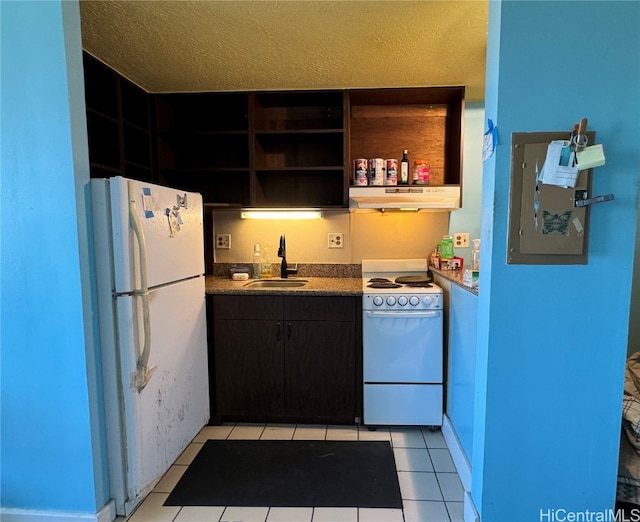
(430, 487)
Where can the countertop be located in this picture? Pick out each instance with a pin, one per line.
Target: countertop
(348, 286)
(456, 277)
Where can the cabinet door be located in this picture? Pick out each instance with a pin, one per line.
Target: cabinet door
(249, 367)
(320, 370)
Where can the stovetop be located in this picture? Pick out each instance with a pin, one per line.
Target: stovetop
(395, 296)
(397, 276)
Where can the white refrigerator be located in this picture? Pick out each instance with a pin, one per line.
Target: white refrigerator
(149, 252)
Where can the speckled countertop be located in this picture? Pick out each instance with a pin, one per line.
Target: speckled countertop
(322, 280)
(455, 276)
(315, 286)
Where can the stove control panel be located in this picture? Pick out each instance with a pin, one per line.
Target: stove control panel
(402, 302)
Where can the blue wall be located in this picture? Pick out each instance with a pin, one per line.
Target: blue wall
(467, 219)
(52, 452)
(552, 339)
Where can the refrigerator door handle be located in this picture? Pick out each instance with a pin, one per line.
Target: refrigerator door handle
(141, 376)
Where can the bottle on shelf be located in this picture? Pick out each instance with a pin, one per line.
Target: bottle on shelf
(421, 172)
(404, 168)
(257, 261)
(265, 267)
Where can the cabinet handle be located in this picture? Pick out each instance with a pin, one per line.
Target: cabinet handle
(278, 332)
(288, 331)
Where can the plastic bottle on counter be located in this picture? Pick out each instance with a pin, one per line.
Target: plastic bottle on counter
(446, 247)
(265, 266)
(475, 255)
(257, 261)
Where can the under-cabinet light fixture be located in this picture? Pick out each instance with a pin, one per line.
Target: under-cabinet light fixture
(400, 209)
(281, 214)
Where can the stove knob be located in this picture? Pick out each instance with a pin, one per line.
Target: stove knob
(391, 300)
(402, 300)
(377, 300)
(427, 300)
(414, 301)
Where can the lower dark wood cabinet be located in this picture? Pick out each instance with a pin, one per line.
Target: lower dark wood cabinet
(249, 367)
(292, 361)
(320, 370)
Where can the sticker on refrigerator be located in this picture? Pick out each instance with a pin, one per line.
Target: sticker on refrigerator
(148, 203)
(181, 200)
(173, 214)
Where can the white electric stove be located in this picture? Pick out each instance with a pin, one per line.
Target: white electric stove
(402, 343)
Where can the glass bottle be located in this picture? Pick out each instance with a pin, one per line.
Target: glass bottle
(256, 264)
(404, 168)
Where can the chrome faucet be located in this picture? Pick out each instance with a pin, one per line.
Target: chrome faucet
(282, 252)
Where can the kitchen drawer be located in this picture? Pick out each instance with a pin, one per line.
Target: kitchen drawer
(320, 308)
(403, 404)
(266, 307)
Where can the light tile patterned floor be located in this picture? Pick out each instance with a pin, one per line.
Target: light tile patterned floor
(430, 487)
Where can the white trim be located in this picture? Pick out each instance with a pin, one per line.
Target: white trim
(470, 512)
(106, 514)
(462, 467)
(457, 453)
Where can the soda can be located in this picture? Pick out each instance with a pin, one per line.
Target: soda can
(376, 171)
(360, 172)
(391, 176)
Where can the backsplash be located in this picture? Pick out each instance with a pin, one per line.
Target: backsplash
(366, 235)
(304, 270)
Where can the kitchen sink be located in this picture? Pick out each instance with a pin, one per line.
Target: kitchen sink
(277, 283)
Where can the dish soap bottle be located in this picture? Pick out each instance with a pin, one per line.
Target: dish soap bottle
(257, 258)
(265, 267)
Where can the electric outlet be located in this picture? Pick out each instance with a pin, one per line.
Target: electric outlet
(461, 239)
(335, 240)
(223, 241)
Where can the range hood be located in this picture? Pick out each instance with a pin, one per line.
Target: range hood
(410, 197)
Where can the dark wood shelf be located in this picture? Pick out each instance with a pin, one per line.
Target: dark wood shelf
(118, 124)
(298, 131)
(330, 168)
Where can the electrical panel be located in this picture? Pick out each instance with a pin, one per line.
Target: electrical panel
(548, 223)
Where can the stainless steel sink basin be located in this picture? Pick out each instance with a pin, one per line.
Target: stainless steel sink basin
(276, 283)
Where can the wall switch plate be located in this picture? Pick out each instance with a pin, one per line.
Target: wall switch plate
(461, 240)
(335, 240)
(223, 241)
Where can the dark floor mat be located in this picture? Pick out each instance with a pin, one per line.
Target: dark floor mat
(292, 473)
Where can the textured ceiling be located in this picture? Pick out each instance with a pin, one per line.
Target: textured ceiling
(227, 45)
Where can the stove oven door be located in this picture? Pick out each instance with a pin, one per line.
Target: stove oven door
(402, 367)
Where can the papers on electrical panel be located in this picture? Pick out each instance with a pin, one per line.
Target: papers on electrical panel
(560, 166)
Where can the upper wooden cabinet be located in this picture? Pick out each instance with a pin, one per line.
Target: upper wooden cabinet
(118, 124)
(299, 149)
(267, 149)
(203, 145)
(427, 121)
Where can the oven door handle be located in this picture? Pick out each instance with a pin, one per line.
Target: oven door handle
(407, 315)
